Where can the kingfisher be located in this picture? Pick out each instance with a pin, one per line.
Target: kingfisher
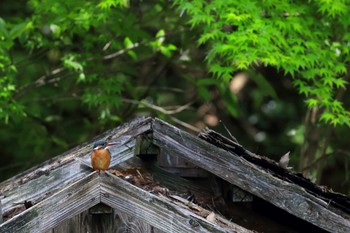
(100, 156)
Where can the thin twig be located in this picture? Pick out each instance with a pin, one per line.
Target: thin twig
(107, 45)
(167, 112)
(41, 81)
(158, 108)
(313, 163)
(56, 98)
(120, 52)
(184, 124)
(228, 131)
(138, 172)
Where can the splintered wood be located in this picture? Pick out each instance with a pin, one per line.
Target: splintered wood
(142, 179)
(232, 162)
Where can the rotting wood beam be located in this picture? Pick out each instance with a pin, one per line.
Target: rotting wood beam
(154, 210)
(63, 205)
(234, 169)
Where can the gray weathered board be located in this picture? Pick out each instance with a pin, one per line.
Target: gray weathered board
(102, 222)
(234, 169)
(117, 193)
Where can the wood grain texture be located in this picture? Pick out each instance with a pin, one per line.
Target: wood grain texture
(63, 205)
(133, 225)
(1, 210)
(76, 224)
(144, 207)
(179, 166)
(336, 202)
(115, 223)
(178, 183)
(249, 177)
(43, 180)
(41, 187)
(153, 210)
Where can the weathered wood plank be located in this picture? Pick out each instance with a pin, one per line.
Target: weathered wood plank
(186, 203)
(45, 179)
(249, 177)
(133, 225)
(117, 223)
(335, 201)
(178, 166)
(154, 210)
(1, 210)
(76, 224)
(178, 183)
(41, 187)
(63, 205)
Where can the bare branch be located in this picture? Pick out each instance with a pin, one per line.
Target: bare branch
(158, 108)
(184, 124)
(316, 161)
(176, 109)
(40, 81)
(120, 52)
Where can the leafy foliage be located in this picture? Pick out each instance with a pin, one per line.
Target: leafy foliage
(308, 40)
(72, 69)
(80, 35)
(75, 65)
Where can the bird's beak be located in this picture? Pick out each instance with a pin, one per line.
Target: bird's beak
(112, 144)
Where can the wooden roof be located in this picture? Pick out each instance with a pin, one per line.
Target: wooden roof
(62, 187)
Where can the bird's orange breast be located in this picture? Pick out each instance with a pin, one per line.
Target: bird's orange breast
(100, 159)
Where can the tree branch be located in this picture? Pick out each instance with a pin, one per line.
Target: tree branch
(316, 161)
(176, 109)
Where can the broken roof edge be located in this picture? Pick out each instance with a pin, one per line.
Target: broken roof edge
(340, 200)
(250, 177)
(270, 165)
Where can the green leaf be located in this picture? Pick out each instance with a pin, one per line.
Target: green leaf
(167, 50)
(17, 30)
(160, 36)
(327, 117)
(264, 85)
(230, 100)
(306, 90)
(219, 70)
(128, 43)
(3, 29)
(81, 77)
(107, 4)
(133, 55)
(312, 103)
(70, 63)
(203, 92)
(231, 103)
(340, 83)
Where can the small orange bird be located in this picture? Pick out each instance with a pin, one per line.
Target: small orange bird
(101, 157)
